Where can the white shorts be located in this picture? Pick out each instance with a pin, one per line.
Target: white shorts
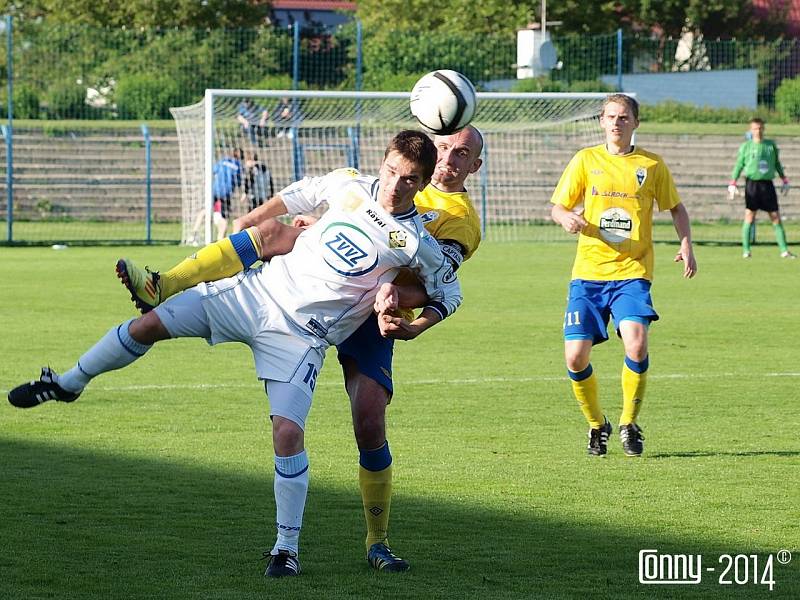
(235, 310)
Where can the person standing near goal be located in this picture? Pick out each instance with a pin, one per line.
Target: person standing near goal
(606, 196)
(294, 307)
(366, 356)
(758, 158)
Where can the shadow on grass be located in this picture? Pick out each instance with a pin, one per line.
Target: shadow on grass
(78, 524)
(700, 453)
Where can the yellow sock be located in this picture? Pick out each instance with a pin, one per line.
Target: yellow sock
(584, 386)
(376, 495)
(634, 381)
(220, 259)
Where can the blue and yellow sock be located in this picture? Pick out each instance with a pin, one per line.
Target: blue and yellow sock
(375, 481)
(584, 386)
(220, 259)
(634, 382)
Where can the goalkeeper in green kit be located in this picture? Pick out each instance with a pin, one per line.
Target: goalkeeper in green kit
(758, 158)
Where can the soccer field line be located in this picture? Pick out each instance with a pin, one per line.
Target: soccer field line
(468, 381)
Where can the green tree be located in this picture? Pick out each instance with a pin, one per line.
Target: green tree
(713, 18)
(143, 13)
(450, 16)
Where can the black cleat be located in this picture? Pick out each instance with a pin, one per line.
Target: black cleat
(598, 439)
(632, 439)
(282, 564)
(383, 559)
(46, 388)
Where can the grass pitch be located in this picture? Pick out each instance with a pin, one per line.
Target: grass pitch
(157, 482)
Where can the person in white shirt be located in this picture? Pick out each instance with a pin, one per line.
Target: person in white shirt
(290, 310)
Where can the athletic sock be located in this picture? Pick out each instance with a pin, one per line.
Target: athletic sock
(220, 259)
(780, 237)
(584, 386)
(291, 488)
(116, 349)
(375, 481)
(634, 382)
(746, 227)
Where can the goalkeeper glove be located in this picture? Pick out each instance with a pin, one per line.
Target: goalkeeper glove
(785, 186)
(732, 190)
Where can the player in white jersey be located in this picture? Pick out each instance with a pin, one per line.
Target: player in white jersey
(366, 356)
(292, 309)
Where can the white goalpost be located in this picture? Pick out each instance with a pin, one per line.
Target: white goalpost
(529, 138)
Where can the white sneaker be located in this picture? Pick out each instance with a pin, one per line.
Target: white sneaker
(746, 255)
(788, 254)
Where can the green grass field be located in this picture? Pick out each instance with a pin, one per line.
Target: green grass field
(157, 482)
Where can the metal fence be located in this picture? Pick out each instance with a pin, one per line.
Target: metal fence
(76, 72)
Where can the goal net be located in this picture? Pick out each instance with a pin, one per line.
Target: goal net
(529, 139)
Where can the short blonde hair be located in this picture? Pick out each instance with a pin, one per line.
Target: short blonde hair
(630, 103)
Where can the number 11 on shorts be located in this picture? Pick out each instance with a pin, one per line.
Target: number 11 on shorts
(572, 318)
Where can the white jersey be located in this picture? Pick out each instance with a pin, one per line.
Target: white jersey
(327, 284)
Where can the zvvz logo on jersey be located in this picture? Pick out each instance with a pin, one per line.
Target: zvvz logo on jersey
(348, 250)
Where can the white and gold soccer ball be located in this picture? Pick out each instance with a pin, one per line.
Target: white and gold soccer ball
(443, 102)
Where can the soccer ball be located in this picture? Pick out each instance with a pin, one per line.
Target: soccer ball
(443, 102)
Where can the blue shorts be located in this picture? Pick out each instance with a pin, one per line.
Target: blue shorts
(592, 303)
(371, 351)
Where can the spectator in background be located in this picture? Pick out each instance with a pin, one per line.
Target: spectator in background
(286, 116)
(228, 172)
(758, 158)
(253, 118)
(258, 185)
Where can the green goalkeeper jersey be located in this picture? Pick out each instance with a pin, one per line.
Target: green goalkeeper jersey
(759, 160)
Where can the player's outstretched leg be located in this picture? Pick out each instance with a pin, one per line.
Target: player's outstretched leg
(143, 284)
(220, 259)
(632, 439)
(46, 388)
(115, 350)
(598, 439)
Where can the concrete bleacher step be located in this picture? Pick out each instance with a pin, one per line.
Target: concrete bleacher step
(104, 172)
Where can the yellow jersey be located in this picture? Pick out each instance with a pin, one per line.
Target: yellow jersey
(449, 217)
(617, 195)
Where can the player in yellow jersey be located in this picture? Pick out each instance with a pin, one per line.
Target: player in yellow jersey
(606, 195)
(366, 357)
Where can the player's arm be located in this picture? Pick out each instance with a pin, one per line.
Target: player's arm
(737, 170)
(779, 170)
(568, 194)
(680, 219)
(442, 287)
(572, 222)
(274, 207)
(413, 295)
(296, 198)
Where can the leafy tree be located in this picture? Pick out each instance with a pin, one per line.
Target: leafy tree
(143, 13)
(713, 18)
(448, 16)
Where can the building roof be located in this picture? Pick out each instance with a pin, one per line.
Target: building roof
(313, 5)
